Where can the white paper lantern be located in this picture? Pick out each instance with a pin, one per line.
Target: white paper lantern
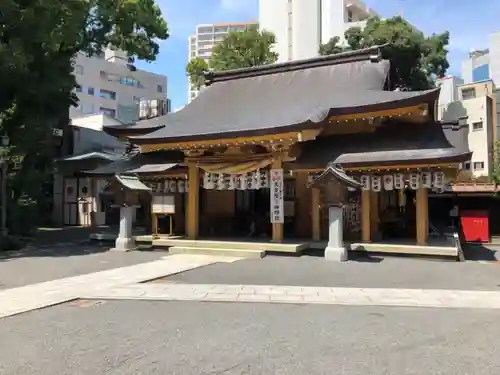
(264, 179)
(414, 181)
(180, 186)
(231, 182)
(250, 181)
(399, 181)
(426, 179)
(438, 180)
(242, 182)
(376, 183)
(256, 179)
(388, 182)
(208, 182)
(221, 181)
(365, 182)
(172, 186)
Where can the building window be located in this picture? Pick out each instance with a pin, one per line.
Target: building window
(469, 93)
(78, 69)
(478, 165)
(349, 16)
(137, 99)
(78, 88)
(90, 90)
(477, 125)
(128, 81)
(108, 111)
(205, 30)
(481, 73)
(221, 29)
(106, 94)
(466, 166)
(159, 88)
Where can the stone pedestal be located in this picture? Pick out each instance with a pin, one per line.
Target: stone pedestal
(125, 240)
(335, 251)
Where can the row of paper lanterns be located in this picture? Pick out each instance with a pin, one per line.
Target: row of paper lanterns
(258, 179)
(430, 180)
(169, 186)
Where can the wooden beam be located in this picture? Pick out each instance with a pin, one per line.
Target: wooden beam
(396, 112)
(192, 215)
(374, 215)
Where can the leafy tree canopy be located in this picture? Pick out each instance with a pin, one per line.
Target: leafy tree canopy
(240, 49)
(39, 40)
(418, 59)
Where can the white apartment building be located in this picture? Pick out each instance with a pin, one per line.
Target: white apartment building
(301, 26)
(474, 104)
(109, 84)
(205, 38)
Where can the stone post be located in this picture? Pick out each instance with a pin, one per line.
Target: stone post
(125, 240)
(335, 250)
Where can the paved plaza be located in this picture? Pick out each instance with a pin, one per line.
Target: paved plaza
(133, 337)
(154, 313)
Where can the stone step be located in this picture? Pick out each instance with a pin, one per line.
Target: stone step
(405, 249)
(214, 244)
(240, 253)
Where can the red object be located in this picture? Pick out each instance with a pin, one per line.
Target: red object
(475, 226)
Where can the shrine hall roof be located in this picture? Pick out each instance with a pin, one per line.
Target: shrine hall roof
(392, 143)
(283, 97)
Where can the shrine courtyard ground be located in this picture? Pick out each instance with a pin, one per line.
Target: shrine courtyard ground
(91, 311)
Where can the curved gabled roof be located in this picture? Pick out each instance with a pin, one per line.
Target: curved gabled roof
(283, 97)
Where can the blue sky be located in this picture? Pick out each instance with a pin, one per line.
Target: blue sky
(469, 22)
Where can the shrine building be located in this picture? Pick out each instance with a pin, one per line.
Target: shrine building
(241, 161)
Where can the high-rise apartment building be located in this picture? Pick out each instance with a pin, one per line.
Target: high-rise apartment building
(205, 38)
(109, 84)
(301, 26)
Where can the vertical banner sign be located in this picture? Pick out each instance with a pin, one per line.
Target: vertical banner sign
(277, 206)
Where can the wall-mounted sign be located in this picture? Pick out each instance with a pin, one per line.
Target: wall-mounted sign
(277, 204)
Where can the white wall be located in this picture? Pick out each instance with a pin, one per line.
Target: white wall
(495, 57)
(274, 17)
(88, 75)
(480, 141)
(449, 90)
(306, 29)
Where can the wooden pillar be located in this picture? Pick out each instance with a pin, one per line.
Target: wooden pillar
(366, 233)
(302, 201)
(277, 227)
(193, 201)
(374, 215)
(316, 214)
(422, 208)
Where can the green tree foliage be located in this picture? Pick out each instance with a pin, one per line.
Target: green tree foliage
(39, 40)
(495, 173)
(195, 69)
(240, 49)
(419, 59)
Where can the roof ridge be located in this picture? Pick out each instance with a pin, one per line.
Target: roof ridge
(371, 53)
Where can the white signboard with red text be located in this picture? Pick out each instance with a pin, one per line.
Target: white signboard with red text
(276, 194)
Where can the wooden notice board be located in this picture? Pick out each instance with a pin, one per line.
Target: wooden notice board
(163, 210)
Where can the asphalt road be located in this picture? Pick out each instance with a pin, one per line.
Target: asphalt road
(121, 338)
(44, 263)
(373, 272)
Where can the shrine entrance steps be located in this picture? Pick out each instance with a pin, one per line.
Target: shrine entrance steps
(233, 248)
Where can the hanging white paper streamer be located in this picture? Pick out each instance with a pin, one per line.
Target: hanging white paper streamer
(388, 182)
(376, 183)
(414, 181)
(365, 182)
(399, 181)
(426, 179)
(438, 180)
